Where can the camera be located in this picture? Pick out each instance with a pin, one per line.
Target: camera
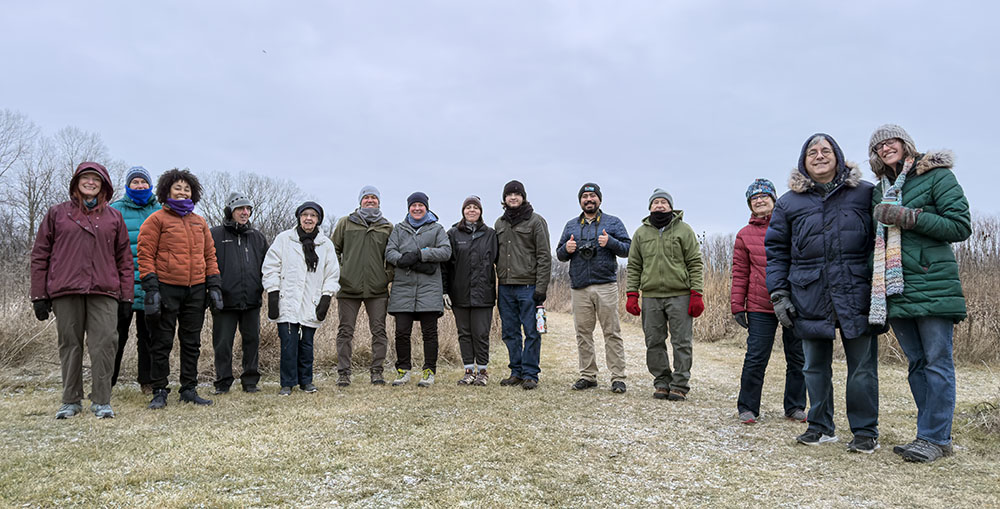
(586, 251)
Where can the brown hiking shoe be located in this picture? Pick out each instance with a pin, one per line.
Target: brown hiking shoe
(676, 395)
(468, 379)
(511, 380)
(661, 393)
(481, 379)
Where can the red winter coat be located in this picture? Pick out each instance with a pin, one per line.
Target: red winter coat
(82, 253)
(749, 290)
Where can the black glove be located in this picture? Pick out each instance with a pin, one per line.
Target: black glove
(42, 309)
(783, 308)
(124, 310)
(425, 267)
(408, 259)
(539, 298)
(322, 307)
(272, 304)
(151, 303)
(741, 318)
(213, 285)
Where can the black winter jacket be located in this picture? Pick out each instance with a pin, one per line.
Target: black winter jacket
(240, 251)
(470, 274)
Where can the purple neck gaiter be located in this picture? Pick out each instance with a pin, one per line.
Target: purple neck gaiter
(181, 207)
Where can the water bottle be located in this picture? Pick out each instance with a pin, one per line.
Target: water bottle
(540, 324)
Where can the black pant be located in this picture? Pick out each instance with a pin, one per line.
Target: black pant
(429, 331)
(473, 326)
(182, 307)
(224, 324)
(760, 340)
(142, 342)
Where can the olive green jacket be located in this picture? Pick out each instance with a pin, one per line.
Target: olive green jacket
(360, 248)
(665, 262)
(524, 257)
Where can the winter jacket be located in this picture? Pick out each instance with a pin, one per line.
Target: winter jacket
(602, 266)
(179, 250)
(134, 214)
(361, 252)
(82, 253)
(413, 291)
(524, 257)
(300, 290)
(819, 248)
(749, 289)
(240, 251)
(665, 262)
(470, 273)
(931, 286)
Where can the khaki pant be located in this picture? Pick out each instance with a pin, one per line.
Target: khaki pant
(348, 310)
(592, 304)
(97, 317)
(662, 317)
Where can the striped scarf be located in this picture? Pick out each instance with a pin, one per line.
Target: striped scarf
(887, 274)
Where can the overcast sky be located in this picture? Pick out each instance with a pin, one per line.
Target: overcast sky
(457, 98)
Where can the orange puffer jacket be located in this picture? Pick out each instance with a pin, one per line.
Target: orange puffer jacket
(179, 250)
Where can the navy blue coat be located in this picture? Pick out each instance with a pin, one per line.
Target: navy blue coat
(818, 248)
(602, 267)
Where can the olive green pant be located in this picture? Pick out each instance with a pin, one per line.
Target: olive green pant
(662, 317)
(95, 316)
(592, 304)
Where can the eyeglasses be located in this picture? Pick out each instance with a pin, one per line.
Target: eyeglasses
(881, 145)
(759, 197)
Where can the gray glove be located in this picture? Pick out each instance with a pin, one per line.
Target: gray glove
(783, 308)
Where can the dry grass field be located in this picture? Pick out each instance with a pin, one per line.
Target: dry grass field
(453, 446)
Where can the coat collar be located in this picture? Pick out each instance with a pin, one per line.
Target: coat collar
(801, 183)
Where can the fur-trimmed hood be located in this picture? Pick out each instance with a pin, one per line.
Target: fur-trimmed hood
(929, 161)
(801, 183)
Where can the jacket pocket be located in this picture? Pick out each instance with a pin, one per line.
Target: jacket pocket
(804, 277)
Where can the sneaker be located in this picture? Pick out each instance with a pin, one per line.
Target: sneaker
(308, 388)
(661, 393)
(468, 379)
(159, 399)
(511, 381)
(900, 449)
(811, 437)
(864, 445)
(481, 379)
(402, 377)
(922, 451)
(583, 384)
(676, 395)
(377, 378)
(68, 410)
(251, 389)
(102, 411)
(618, 387)
(146, 388)
(798, 415)
(343, 380)
(529, 385)
(285, 391)
(747, 417)
(427, 380)
(221, 390)
(191, 396)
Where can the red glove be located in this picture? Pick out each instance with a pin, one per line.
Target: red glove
(697, 306)
(632, 305)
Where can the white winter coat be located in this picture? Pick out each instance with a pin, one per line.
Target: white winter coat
(285, 271)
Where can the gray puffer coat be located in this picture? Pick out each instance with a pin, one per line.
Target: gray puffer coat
(412, 291)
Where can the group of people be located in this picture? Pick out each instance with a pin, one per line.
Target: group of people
(834, 252)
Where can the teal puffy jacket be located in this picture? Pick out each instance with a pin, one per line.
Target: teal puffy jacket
(134, 215)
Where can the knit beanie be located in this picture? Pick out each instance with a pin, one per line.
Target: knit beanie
(365, 191)
(474, 200)
(310, 205)
(660, 193)
(590, 187)
(417, 197)
(514, 187)
(761, 186)
(138, 171)
(888, 132)
(237, 199)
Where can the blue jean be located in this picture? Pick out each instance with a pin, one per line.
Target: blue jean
(862, 384)
(760, 341)
(296, 354)
(516, 304)
(927, 343)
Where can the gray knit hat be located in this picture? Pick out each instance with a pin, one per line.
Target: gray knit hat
(888, 132)
(660, 193)
(365, 191)
(237, 199)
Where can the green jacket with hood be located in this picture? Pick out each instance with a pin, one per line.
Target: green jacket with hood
(360, 250)
(664, 262)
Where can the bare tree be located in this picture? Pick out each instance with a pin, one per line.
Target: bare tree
(74, 146)
(274, 199)
(36, 187)
(17, 135)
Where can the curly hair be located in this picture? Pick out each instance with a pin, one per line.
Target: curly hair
(168, 178)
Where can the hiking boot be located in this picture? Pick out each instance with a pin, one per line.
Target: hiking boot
(529, 385)
(469, 377)
(922, 451)
(864, 445)
(377, 378)
(251, 389)
(191, 396)
(285, 391)
(583, 384)
(618, 387)
(811, 437)
(102, 411)
(900, 449)
(220, 390)
(427, 380)
(661, 393)
(343, 380)
(308, 388)
(146, 388)
(511, 380)
(402, 377)
(68, 410)
(747, 417)
(797, 415)
(676, 395)
(481, 379)
(159, 399)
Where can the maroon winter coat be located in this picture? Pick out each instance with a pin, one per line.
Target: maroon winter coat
(749, 290)
(81, 253)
